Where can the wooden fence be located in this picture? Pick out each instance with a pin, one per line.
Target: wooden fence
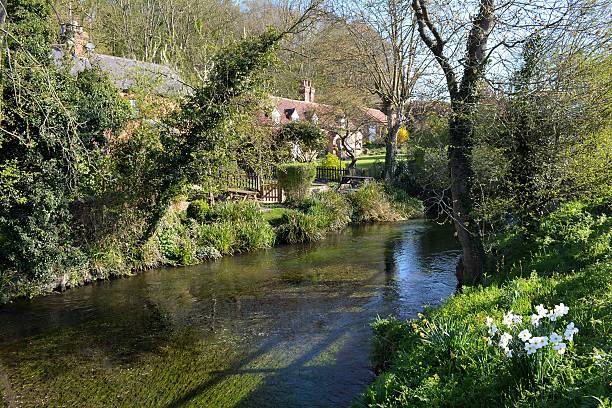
(330, 173)
(267, 188)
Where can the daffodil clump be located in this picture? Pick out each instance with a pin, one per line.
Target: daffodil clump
(542, 333)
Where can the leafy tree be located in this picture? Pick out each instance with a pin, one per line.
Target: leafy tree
(49, 132)
(200, 148)
(304, 139)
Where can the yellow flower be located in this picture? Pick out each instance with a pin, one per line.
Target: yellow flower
(402, 135)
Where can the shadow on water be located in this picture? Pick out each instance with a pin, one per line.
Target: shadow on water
(285, 327)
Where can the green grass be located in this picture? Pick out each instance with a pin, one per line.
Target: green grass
(458, 369)
(274, 214)
(442, 359)
(369, 160)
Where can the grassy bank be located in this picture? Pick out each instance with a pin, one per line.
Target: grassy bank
(444, 358)
(201, 233)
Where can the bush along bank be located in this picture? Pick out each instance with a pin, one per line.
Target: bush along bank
(202, 232)
(538, 335)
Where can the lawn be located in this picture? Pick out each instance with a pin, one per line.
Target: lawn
(368, 161)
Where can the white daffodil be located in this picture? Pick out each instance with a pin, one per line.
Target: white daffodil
(524, 335)
(561, 310)
(539, 342)
(570, 330)
(530, 348)
(560, 348)
(504, 340)
(508, 320)
(555, 338)
(542, 311)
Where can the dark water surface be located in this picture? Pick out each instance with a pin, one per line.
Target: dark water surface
(288, 327)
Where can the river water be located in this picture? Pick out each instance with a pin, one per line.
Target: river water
(287, 327)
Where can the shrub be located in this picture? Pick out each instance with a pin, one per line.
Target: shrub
(297, 226)
(220, 235)
(333, 209)
(407, 206)
(254, 235)
(208, 253)
(371, 204)
(235, 227)
(235, 212)
(198, 210)
(295, 179)
(331, 160)
(576, 232)
(569, 237)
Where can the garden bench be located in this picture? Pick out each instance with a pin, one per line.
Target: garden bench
(240, 195)
(354, 181)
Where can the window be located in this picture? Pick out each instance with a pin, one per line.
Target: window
(276, 116)
(295, 116)
(372, 133)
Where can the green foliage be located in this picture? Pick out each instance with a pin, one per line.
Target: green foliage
(100, 107)
(49, 120)
(333, 208)
(406, 206)
(192, 155)
(219, 235)
(308, 137)
(235, 227)
(331, 160)
(570, 237)
(198, 210)
(371, 204)
(443, 358)
(296, 226)
(235, 212)
(295, 179)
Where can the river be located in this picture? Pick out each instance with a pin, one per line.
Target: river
(287, 327)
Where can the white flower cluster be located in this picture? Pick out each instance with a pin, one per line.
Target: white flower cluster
(559, 311)
(530, 343)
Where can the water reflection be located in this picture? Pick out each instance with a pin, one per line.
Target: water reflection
(285, 327)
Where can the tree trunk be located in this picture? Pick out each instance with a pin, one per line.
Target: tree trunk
(459, 154)
(353, 164)
(390, 144)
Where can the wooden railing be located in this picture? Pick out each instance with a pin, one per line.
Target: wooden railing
(267, 188)
(330, 173)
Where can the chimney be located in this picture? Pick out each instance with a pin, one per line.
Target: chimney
(308, 91)
(73, 34)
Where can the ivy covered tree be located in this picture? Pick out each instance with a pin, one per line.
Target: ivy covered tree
(50, 124)
(199, 148)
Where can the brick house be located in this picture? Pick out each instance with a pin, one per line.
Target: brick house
(125, 73)
(355, 127)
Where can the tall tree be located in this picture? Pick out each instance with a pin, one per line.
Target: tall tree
(450, 27)
(389, 58)
(464, 95)
(203, 116)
